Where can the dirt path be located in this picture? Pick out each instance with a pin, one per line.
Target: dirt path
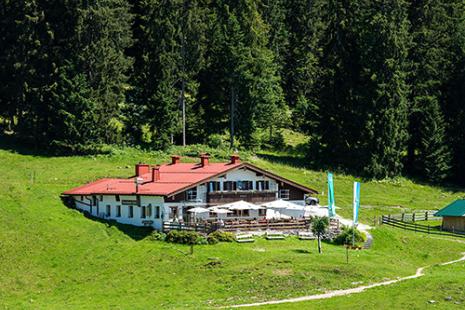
(349, 291)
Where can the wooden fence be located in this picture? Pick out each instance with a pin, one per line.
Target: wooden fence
(415, 216)
(200, 227)
(412, 226)
(208, 227)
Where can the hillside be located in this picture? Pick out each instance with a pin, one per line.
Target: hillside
(54, 257)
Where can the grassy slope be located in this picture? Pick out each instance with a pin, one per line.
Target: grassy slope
(54, 257)
(441, 288)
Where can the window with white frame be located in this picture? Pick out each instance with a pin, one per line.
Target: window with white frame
(245, 185)
(284, 194)
(214, 186)
(191, 194)
(157, 212)
(262, 185)
(118, 211)
(142, 212)
(229, 186)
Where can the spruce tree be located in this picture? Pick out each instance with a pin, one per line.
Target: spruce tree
(336, 123)
(302, 69)
(169, 53)
(247, 75)
(385, 42)
(431, 59)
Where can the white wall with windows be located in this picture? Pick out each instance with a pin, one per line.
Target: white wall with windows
(125, 209)
(242, 180)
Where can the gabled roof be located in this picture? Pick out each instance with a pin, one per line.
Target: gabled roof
(457, 208)
(174, 179)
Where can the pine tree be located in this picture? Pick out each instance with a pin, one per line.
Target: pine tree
(92, 74)
(336, 122)
(431, 59)
(169, 54)
(385, 41)
(454, 90)
(302, 69)
(248, 75)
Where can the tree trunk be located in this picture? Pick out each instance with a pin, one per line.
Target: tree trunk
(183, 105)
(319, 244)
(232, 112)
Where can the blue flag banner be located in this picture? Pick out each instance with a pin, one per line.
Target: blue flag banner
(331, 202)
(356, 202)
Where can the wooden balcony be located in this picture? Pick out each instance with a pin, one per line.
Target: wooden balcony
(249, 196)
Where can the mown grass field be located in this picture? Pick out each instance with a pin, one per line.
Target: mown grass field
(54, 257)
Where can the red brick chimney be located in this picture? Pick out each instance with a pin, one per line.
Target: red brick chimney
(142, 169)
(235, 159)
(175, 159)
(156, 173)
(204, 159)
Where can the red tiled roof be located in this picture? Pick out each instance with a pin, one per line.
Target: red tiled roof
(174, 178)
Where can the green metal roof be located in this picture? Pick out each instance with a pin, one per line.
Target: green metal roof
(457, 208)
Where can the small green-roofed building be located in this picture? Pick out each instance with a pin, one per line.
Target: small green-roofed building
(453, 216)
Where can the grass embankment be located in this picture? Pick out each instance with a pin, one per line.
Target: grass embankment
(54, 257)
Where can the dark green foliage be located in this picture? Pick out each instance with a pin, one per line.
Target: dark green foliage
(378, 86)
(348, 234)
(157, 236)
(221, 236)
(184, 237)
(384, 64)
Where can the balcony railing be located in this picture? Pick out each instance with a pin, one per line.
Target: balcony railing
(250, 196)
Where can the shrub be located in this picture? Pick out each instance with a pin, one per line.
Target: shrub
(345, 237)
(184, 237)
(157, 236)
(212, 239)
(222, 236)
(215, 141)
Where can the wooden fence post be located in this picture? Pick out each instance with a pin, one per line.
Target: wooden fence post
(426, 215)
(403, 216)
(413, 217)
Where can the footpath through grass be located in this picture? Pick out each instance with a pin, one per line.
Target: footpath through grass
(54, 257)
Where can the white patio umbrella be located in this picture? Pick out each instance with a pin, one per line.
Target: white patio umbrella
(197, 210)
(219, 211)
(282, 204)
(273, 214)
(239, 205)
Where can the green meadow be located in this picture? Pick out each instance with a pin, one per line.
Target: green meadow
(53, 257)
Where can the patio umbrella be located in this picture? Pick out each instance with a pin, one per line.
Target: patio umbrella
(239, 205)
(197, 210)
(273, 214)
(219, 211)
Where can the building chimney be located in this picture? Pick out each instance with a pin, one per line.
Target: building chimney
(142, 169)
(235, 159)
(204, 160)
(175, 159)
(156, 173)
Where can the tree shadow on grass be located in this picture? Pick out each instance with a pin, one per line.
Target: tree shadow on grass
(302, 251)
(134, 232)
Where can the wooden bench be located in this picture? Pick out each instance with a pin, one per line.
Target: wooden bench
(243, 238)
(275, 235)
(306, 235)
